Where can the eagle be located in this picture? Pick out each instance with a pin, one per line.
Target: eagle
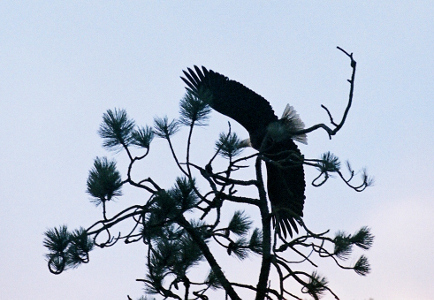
(271, 136)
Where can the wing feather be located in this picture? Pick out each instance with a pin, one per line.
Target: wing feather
(195, 78)
(199, 72)
(189, 88)
(190, 82)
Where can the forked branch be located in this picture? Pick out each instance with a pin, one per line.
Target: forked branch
(337, 126)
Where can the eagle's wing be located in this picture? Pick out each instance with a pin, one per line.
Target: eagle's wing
(285, 185)
(230, 98)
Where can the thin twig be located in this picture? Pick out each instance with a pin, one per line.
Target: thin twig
(338, 126)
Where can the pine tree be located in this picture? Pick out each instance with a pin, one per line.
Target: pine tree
(182, 227)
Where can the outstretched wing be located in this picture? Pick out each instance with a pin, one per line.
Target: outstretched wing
(230, 98)
(285, 185)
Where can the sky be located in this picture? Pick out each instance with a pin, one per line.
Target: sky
(63, 64)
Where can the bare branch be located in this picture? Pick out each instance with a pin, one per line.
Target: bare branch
(338, 126)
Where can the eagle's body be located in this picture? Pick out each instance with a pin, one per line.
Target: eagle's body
(271, 136)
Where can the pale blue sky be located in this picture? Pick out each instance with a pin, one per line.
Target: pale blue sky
(62, 65)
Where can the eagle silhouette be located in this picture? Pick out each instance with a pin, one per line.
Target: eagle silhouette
(271, 136)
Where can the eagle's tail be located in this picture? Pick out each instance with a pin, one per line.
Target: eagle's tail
(293, 123)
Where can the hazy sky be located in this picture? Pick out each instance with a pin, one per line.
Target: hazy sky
(63, 64)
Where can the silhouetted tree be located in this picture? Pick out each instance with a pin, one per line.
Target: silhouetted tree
(182, 227)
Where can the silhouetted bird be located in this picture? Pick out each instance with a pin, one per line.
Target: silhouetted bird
(271, 136)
